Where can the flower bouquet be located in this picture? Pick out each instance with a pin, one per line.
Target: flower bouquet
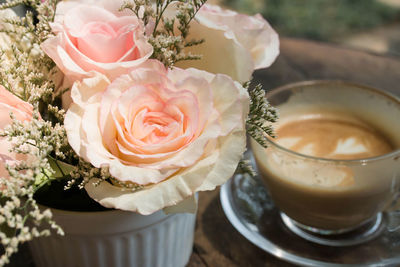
(131, 106)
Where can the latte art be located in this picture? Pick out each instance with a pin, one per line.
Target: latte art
(335, 161)
(331, 136)
(320, 186)
(323, 133)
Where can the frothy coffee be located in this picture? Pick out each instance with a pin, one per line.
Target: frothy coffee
(331, 135)
(324, 133)
(326, 190)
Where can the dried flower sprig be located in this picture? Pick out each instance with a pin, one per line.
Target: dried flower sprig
(172, 49)
(28, 68)
(244, 167)
(258, 123)
(169, 34)
(17, 205)
(36, 28)
(143, 9)
(26, 72)
(261, 115)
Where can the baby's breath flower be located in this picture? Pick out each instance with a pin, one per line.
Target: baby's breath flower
(26, 72)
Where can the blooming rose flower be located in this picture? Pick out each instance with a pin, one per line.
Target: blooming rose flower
(95, 37)
(174, 131)
(9, 103)
(235, 44)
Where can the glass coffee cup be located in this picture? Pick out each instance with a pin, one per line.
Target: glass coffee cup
(335, 164)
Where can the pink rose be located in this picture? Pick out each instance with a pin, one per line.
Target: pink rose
(22, 111)
(95, 38)
(174, 131)
(235, 44)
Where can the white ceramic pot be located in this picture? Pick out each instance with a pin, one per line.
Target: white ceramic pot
(116, 239)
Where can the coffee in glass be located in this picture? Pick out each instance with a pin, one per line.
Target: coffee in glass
(334, 166)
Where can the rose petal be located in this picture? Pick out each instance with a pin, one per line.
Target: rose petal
(235, 44)
(220, 53)
(138, 111)
(76, 19)
(22, 111)
(95, 36)
(205, 175)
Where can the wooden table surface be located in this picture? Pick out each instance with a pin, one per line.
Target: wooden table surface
(217, 243)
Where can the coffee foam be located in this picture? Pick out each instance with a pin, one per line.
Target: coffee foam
(331, 194)
(332, 135)
(324, 133)
(350, 146)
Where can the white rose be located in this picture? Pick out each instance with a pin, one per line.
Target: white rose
(235, 44)
(174, 131)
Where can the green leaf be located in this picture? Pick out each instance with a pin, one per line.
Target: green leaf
(61, 169)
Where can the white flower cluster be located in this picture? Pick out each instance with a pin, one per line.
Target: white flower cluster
(28, 73)
(18, 205)
(12, 221)
(167, 43)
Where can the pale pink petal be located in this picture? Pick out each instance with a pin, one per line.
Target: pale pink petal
(107, 43)
(140, 175)
(229, 99)
(113, 6)
(76, 18)
(96, 38)
(55, 49)
(10, 103)
(259, 38)
(96, 153)
(6, 110)
(199, 87)
(22, 111)
(205, 175)
(221, 53)
(230, 152)
(89, 90)
(72, 125)
(235, 44)
(149, 130)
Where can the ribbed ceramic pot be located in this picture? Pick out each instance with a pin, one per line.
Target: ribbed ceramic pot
(116, 239)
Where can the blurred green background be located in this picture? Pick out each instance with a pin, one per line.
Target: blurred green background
(369, 24)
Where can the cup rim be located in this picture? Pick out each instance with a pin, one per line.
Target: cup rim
(293, 85)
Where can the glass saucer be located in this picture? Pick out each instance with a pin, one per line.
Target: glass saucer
(250, 210)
